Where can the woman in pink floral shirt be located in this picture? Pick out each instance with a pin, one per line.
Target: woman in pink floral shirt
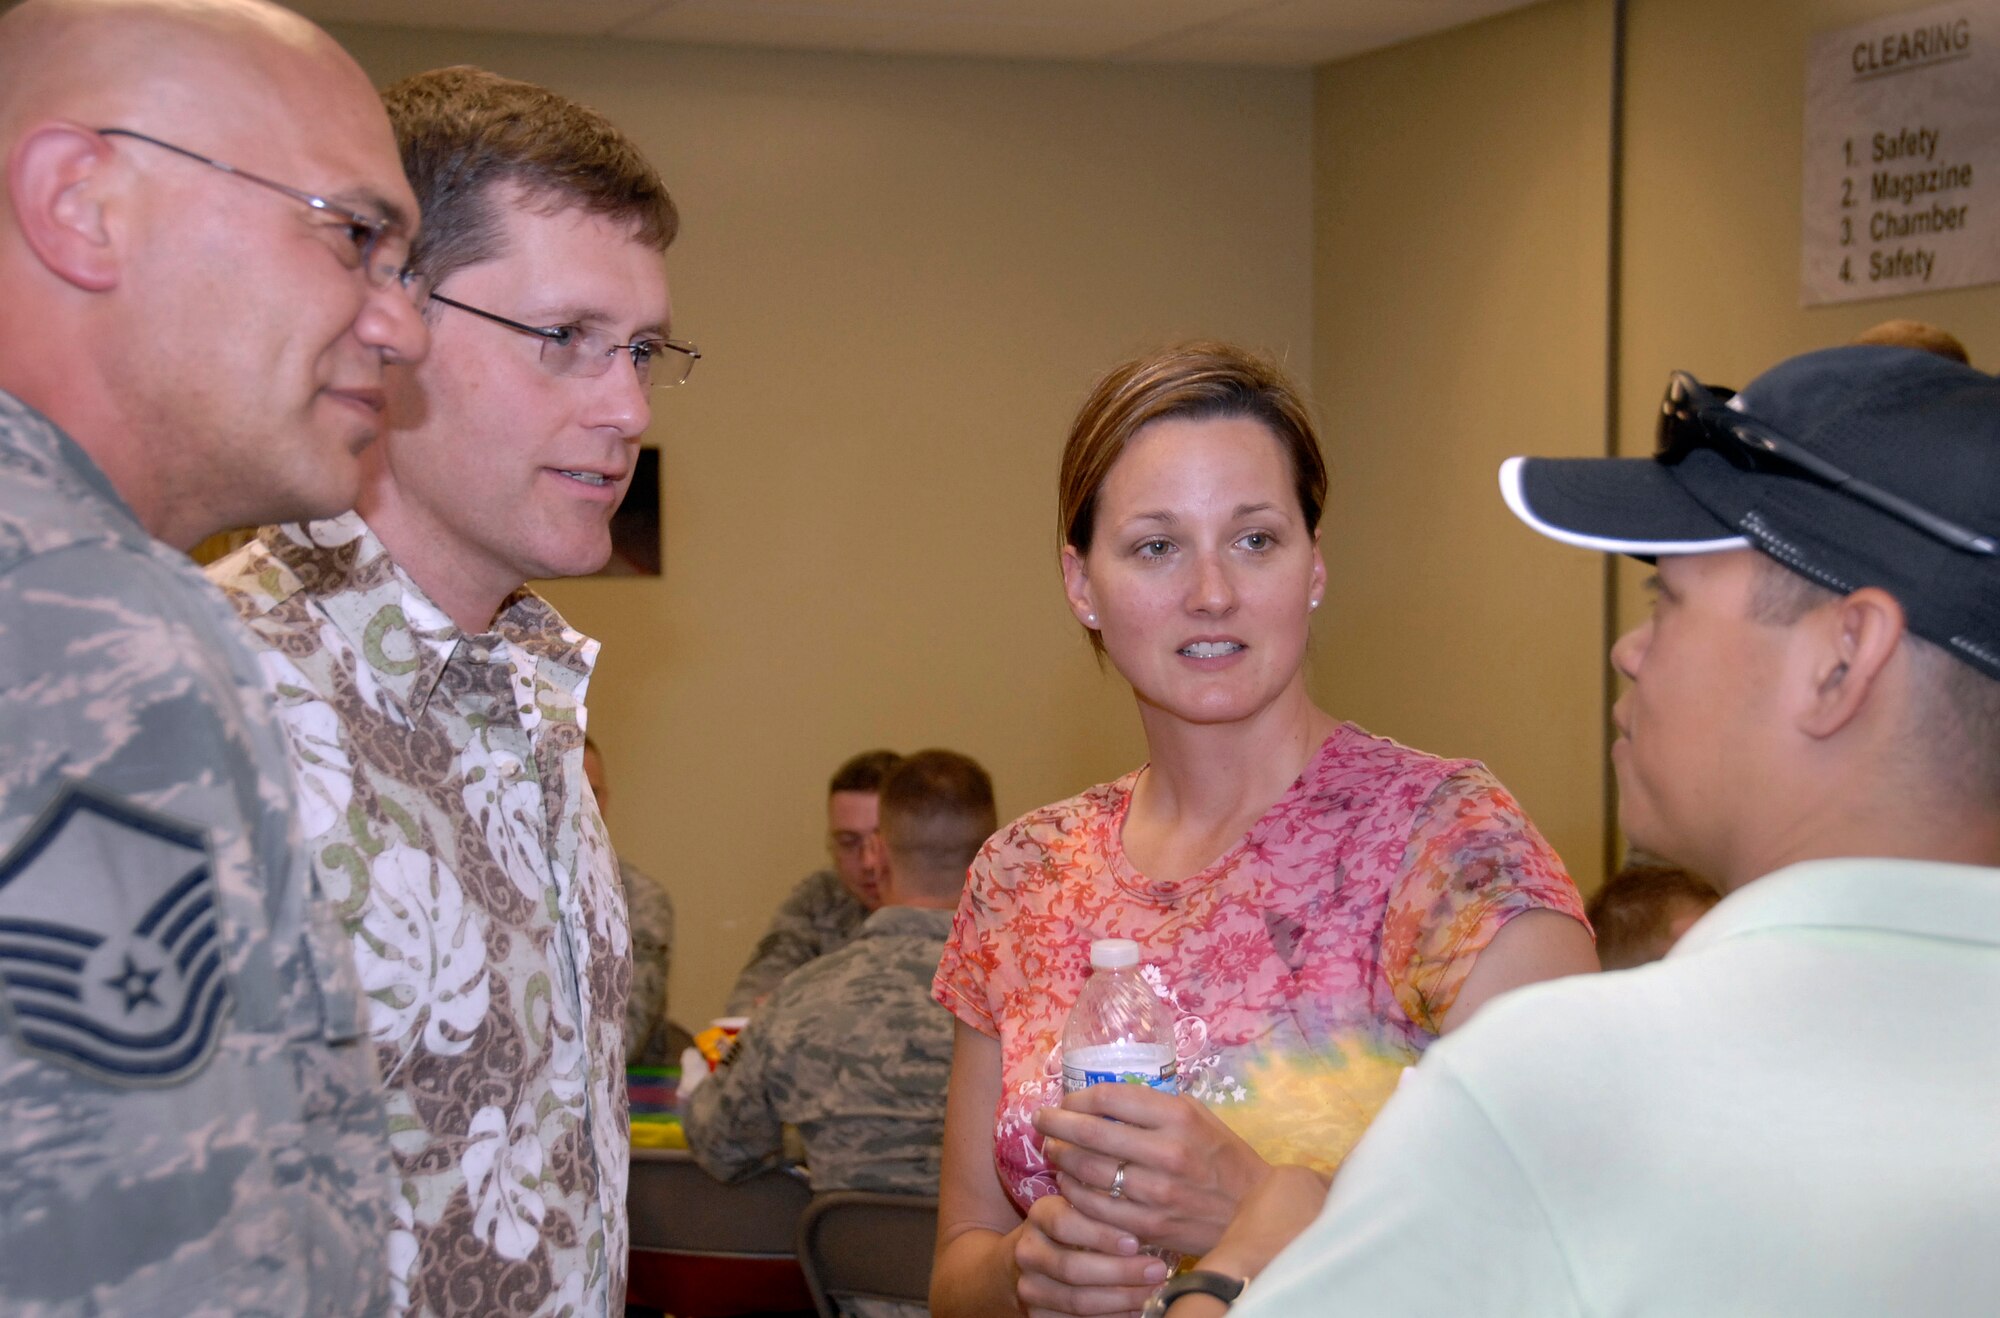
(1316, 904)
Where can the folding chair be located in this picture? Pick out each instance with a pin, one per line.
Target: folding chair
(702, 1249)
(876, 1246)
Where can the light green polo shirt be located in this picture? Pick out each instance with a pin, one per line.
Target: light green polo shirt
(1798, 1112)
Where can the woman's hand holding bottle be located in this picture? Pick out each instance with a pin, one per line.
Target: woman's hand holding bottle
(1184, 1172)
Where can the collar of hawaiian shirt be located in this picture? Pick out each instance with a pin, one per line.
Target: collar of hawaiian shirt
(408, 641)
(550, 658)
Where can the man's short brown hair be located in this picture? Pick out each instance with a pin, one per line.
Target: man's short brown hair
(1634, 913)
(1957, 716)
(937, 810)
(863, 772)
(1916, 334)
(466, 133)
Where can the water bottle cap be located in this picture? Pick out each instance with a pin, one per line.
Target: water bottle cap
(1113, 953)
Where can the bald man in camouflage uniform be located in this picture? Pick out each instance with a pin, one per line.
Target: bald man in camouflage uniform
(850, 1049)
(190, 1121)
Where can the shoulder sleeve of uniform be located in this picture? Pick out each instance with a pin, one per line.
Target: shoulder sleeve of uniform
(131, 814)
(650, 912)
(790, 940)
(118, 670)
(732, 1127)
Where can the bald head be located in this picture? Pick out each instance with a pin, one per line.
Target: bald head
(214, 344)
(186, 66)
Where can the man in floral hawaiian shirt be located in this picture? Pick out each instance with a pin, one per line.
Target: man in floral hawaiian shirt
(435, 705)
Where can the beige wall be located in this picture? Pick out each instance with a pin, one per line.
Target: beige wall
(904, 274)
(1459, 278)
(1714, 172)
(1460, 221)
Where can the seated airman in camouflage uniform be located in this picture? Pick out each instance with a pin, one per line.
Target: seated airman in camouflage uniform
(851, 1050)
(649, 909)
(190, 1119)
(827, 907)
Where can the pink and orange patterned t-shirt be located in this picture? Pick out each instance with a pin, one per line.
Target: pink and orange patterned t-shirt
(1305, 966)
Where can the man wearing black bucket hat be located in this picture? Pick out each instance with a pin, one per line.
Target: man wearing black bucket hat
(1798, 1111)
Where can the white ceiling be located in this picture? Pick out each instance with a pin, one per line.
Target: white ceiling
(1276, 33)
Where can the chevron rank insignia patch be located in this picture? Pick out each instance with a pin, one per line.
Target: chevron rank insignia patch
(111, 949)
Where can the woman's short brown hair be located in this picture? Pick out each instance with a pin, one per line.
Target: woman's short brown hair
(1194, 382)
(464, 132)
(1191, 381)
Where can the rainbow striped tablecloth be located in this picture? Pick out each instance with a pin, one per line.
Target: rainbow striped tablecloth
(656, 1116)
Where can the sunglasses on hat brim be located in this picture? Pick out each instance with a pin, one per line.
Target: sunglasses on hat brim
(1694, 416)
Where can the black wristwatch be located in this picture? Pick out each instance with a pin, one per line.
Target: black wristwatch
(1222, 1287)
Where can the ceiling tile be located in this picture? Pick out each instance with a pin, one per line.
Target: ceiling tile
(1069, 40)
(1013, 29)
(1140, 14)
(1228, 46)
(572, 17)
(1309, 32)
(1344, 18)
(1285, 33)
(801, 27)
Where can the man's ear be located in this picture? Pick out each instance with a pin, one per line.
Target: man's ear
(1076, 585)
(57, 187)
(1852, 641)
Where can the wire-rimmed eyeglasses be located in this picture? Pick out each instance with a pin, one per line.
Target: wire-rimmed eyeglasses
(844, 843)
(380, 246)
(1693, 416)
(577, 350)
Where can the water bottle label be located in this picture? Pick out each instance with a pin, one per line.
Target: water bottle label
(1153, 1077)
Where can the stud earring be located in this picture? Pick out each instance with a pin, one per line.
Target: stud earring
(1312, 605)
(1090, 619)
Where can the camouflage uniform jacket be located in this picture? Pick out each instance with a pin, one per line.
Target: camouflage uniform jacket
(819, 916)
(445, 808)
(190, 1121)
(853, 1052)
(650, 910)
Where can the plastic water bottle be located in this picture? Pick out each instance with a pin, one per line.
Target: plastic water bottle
(1119, 1032)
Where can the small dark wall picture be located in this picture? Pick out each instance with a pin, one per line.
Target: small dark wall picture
(635, 527)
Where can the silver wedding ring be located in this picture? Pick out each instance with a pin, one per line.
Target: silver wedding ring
(1118, 1182)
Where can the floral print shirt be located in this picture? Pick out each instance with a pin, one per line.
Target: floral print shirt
(444, 804)
(1305, 966)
